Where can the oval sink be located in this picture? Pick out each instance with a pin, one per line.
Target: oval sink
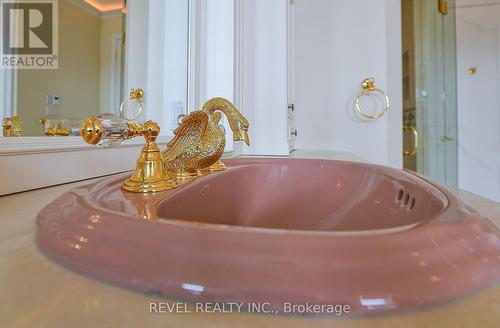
(280, 231)
(308, 195)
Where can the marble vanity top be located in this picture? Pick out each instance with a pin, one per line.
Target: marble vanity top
(36, 292)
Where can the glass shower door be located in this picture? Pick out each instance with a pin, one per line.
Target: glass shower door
(429, 81)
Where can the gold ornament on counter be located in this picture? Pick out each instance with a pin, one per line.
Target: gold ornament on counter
(12, 126)
(62, 132)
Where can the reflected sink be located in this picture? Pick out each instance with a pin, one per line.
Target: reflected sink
(280, 231)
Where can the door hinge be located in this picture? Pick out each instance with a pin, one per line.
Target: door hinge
(443, 7)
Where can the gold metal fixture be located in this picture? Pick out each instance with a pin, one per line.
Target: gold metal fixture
(135, 95)
(446, 139)
(12, 126)
(472, 70)
(414, 131)
(443, 7)
(63, 132)
(49, 132)
(196, 148)
(149, 174)
(199, 140)
(368, 85)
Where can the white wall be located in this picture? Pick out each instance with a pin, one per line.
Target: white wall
(261, 85)
(478, 45)
(215, 54)
(156, 58)
(110, 26)
(167, 64)
(338, 44)
(136, 45)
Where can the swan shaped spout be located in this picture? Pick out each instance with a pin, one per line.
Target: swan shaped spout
(199, 141)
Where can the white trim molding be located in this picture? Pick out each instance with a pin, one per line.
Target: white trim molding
(41, 145)
(35, 162)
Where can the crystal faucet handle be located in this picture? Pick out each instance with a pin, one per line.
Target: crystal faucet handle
(104, 130)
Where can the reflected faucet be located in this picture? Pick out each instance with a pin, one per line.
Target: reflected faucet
(196, 148)
(12, 126)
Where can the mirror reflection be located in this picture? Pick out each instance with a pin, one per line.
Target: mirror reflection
(88, 79)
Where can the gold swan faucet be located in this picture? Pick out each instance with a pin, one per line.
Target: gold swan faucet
(197, 146)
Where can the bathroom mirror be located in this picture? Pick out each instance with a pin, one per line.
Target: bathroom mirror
(88, 79)
(94, 39)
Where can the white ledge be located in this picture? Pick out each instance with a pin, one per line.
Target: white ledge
(38, 145)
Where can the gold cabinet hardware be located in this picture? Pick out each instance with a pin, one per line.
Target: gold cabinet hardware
(472, 70)
(196, 148)
(446, 139)
(12, 126)
(368, 85)
(443, 7)
(414, 131)
(135, 95)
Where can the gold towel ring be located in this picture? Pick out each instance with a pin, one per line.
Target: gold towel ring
(368, 85)
(135, 94)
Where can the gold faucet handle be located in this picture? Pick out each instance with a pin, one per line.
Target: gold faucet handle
(107, 130)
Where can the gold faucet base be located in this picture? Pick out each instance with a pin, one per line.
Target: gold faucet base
(183, 176)
(151, 186)
(217, 166)
(150, 174)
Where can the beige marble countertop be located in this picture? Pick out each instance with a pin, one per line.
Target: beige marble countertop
(36, 292)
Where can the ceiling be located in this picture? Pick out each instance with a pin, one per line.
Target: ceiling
(105, 5)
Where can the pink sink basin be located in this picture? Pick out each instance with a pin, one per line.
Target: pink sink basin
(280, 231)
